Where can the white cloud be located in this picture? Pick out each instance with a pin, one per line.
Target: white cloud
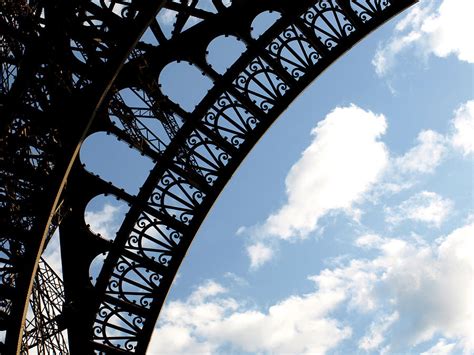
(425, 156)
(207, 290)
(463, 124)
(375, 336)
(103, 222)
(236, 280)
(369, 241)
(448, 30)
(442, 31)
(413, 292)
(347, 164)
(204, 325)
(384, 57)
(425, 206)
(430, 288)
(410, 282)
(259, 254)
(173, 340)
(440, 348)
(342, 162)
(431, 150)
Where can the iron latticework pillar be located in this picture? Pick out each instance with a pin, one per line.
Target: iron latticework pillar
(65, 68)
(44, 328)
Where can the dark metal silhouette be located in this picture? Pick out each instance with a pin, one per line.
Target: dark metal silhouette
(64, 68)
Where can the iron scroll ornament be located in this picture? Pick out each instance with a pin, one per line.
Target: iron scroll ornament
(195, 155)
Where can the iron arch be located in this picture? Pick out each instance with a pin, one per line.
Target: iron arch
(73, 59)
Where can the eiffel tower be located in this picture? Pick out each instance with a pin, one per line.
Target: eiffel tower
(73, 68)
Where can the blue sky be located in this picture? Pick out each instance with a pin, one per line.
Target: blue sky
(349, 228)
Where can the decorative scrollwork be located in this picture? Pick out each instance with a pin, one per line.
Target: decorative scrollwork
(328, 22)
(261, 84)
(176, 197)
(230, 119)
(116, 327)
(367, 9)
(203, 156)
(133, 283)
(294, 52)
(152, 239)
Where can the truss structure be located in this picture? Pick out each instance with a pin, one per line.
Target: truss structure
(65, 66)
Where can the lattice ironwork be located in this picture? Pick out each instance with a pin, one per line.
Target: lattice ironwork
(73, 68)
(44, 326)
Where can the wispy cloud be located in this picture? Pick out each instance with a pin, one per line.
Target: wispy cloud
(432, 30)
(403, 171)
(463, 127)
(427, 207)
(442, 347)
(236, 279)
(430, 151)
(259, 254)
(425, 156)
(376, 333)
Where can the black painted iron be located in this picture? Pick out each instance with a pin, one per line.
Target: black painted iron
(65, 66)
